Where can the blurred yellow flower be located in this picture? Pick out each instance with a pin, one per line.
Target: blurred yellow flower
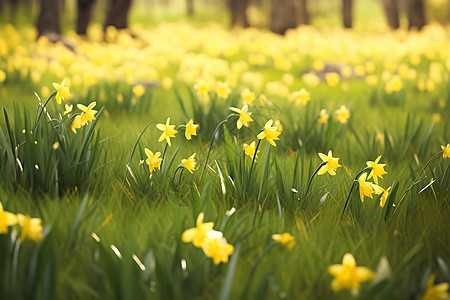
(342, 114)
(300, 97)
(372, 80)
(167, 83)
(197, 234)
(323, 116)
(270, 133)
(88, 114)
(45, 91)
(76, 123)
(436, 291)
(348, 275)
(214, 245)
(62, 91)
(365, 188)
(285, 239)
(384, 197)
(191, 129)
(6, 219)
(153, 160)
(31, 228)
(2, 76)
(331, 164)
(223, 89)
(247, 96)
(332, 78)
(168, 131)
(446, 150)
(138, 90)
(189, 163)
(311, 79)
(395, 84)
(244, 116)
(250, 149)
(377, 169)
(68, 109)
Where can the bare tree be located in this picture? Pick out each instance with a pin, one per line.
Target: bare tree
(118, 14)
(347, 13)
(238, 12)
(48, 19)
(190, 7)
(391, 11)
(301, 12)
(84, 15)
(415, 12)
(282, 16)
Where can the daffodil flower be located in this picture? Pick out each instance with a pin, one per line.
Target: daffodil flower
(88, 114)
(214, 245)
(223, 89)
(168, 131)
(31, 228)
(244, 116)
(377, 169)
(365, 188)
(269, 132)
(323, 117)
(446, 150)
(285, 239)
(342, 114)
(384, 197)
(153, 160)
(68, 109)
(331, 164)
(197, 234)
(62, 91)
(250, 150)
(189, 163)
(6, 219)
(436, 291)
(191, 129)
(348, 275)
(76, 123)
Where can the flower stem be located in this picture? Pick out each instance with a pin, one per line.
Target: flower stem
(310, 179)
(42, 110)
(367, 169)
(15, 263)
(253, 161)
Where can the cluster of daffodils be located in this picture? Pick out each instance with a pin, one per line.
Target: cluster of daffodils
(168, 131)
(30, 228)
(87, 113)
(367, 188)
(212, 242)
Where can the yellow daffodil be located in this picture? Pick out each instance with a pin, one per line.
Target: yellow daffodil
(250, 149)
(214, 245)
(168, 131)
(332, 78)
(197, 234)
(331, 164)
(62, 91)
(31, 228)
(384, 197)
(223, 89)
(153, 160)
(301, 97)
(377, 169)
(342, 114)
(88, 114)
(269, 132)
(189, 163)
(365, 188)
(348, 275)
(323, 116)
(247, 96)
(191, 129)
(76, 123)
(68, 109)
(6, 219)
(285, 239)
(244, 116)
(2, 76)
(436, 291)
(138, 90)
(446, 150)
(167, 83)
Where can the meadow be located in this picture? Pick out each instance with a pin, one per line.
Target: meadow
(128, 166)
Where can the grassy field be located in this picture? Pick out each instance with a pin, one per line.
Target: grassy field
(110, 220)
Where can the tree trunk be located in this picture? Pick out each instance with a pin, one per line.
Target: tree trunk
(347, 7)
(48, 19)
(84, 15)
(391, 10)
(190, 7)
(282, 16)
(118, 14)
(415, 12)
(301, 12)
(238, 12)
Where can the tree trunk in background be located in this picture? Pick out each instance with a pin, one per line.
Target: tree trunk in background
(118, 14)
(301, 12)
(84, 15)
(282, 16)
(347, 7)
(238, 12)
(48, 19)
(415, 12)
(190, 7)
(391, 10)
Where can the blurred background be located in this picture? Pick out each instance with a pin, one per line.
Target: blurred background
(61, 16)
